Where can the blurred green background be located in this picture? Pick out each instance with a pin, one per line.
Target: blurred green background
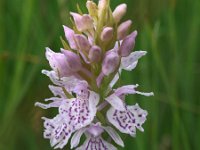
(168, 29)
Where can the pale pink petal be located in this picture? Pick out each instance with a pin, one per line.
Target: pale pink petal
(95, 54)
(140, 115)
(130, 89)
(80, 111)
(110, 62)
(82, 43)
(57, 91)
(107, 34)
(83, 147)
(127, 121)
(95, 130)
(116, 102)
(73, 60)
(98, 143)
(50, 105)
(93, 102)
(76, 137)
(114, 135)
(68, 83)
(119, 12)
(57, 130)
(123, 29)
(83, 23)
(127, 89)
(114, 80)
(129, 63)
(128, 44)
(69, 34)
(58, 62)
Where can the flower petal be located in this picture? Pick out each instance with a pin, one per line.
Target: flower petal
(83, 147)
(80, 111)
(95, 130)
(116, 102)
(68, 82)
(97, 143)
(73, 60)
(145, 94)
(128, 44)
(50, 105)
(110, 62)
(76, 137)
(57, 130)
(58, 62)
(84, 22)
(130, 89)
(119, 12)
(114, 135)
(115, 79)
(93, 101)
(82, 42)
(127, 89)
(127, 121)
(129, 63)
(57, 91)
(140, 115)
(69, 34)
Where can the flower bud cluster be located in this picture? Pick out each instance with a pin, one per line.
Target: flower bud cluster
(84, 73)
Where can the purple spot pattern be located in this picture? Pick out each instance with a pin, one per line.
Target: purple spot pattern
(57, 130)
(127, 121)
(77, 112)
(96, 144)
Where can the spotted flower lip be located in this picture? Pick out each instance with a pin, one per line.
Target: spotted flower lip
(84, 73)
(80, 111)
(94, 138)
(128, 120)
(57, 130)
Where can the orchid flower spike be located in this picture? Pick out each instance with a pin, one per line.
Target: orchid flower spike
(84, 75)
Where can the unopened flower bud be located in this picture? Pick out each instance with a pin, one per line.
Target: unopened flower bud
(73, 60)
(123, 29)
(92, 8)
(58, 63)
(95, 54)
(83, 23)
(127, 44)
(82, 42)
(107, 34)
(101, 6)
(110, 63)
(119, 12)
(69, 34)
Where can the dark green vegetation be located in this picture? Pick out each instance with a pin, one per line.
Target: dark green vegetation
(170, 32)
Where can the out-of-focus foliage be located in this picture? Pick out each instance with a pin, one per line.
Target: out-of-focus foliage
(170, 32)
